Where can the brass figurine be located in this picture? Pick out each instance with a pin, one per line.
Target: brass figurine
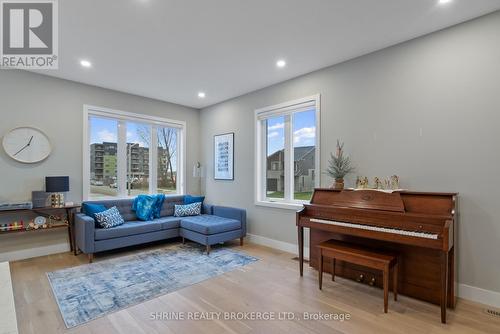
(377, 184)
(366, 183)
(362, 182)
(395, 182)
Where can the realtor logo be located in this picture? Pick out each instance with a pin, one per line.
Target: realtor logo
(29, 38)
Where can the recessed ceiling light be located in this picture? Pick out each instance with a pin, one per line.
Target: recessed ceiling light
(444, 2)
(201, 95)
(85, 63)
(281, 63)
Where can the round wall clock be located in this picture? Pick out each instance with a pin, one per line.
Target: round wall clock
(27, 145)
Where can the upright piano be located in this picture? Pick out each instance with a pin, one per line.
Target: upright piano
(419, 226)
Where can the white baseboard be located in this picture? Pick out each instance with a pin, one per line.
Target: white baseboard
(34, 252)
(8, 320)
(276, 244)
(468, 292)
(479, 295)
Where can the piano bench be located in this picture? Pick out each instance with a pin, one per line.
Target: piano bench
(337, 250)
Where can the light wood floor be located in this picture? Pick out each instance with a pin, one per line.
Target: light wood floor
(271, 284)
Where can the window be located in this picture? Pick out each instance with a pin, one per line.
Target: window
(138, 158)
(167, 159)
(275, 157)
(287, 148)
(103, 147)
(275, 165)
(129, 154)
(304, 153)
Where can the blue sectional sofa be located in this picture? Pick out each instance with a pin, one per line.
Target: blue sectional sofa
(216, 224)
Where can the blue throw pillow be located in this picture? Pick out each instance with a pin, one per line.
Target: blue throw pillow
(160, 198)
(187, 210)
(91, 209)
(188, 199)
(144, 207)
(109, 218)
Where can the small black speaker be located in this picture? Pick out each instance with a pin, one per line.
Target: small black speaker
(40, 199)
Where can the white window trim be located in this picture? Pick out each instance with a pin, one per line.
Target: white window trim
(260, 147)
(122, 116)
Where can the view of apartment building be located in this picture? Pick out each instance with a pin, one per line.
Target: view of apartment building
(103, 163)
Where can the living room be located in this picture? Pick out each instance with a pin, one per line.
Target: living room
(263, 166)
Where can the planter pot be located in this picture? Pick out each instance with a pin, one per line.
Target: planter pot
(338, 184)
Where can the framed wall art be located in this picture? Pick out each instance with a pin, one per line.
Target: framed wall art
(224, 156)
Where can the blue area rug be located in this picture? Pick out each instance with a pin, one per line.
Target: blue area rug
(90, 291)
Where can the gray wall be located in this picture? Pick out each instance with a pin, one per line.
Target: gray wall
(56, 107)
(444, 86)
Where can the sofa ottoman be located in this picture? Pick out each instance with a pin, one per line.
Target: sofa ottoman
(207, 224)
(222, 224)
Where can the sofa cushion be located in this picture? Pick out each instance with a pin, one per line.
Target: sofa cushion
(137, 227)
(167, 209)
(193, 199)
(123, 205)
(91, 209)
(207, 224)
(168, 222)
(129, 228)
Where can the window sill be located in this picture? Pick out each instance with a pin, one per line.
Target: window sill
(119, 197)
(280, 205)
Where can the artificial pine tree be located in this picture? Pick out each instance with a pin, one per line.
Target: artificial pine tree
(339, 166)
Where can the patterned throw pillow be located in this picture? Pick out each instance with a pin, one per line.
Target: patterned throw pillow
(109, 218)
(91, 209)
(187, 210)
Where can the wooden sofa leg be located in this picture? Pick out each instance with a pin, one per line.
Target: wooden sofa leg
(183, 240)
(241, 241)
(91, 257)
(208, 249)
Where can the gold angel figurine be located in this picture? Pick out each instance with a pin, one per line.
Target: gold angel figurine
(361, 182)
(387, 183)
(364, 183)
(358, 182)
(376, 183)
(395, 182)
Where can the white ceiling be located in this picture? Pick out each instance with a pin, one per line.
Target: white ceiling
(172, 49)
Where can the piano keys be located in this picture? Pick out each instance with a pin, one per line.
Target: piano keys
(416, 234)
(419, 226)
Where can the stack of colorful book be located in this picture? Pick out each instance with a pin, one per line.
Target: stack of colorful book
(11, 227)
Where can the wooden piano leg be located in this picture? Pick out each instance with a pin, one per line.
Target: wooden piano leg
(444, 285)
(451, 278)
(320, 269)
(333, 269)
(386, 287)
(300, 231)
(395, 281)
